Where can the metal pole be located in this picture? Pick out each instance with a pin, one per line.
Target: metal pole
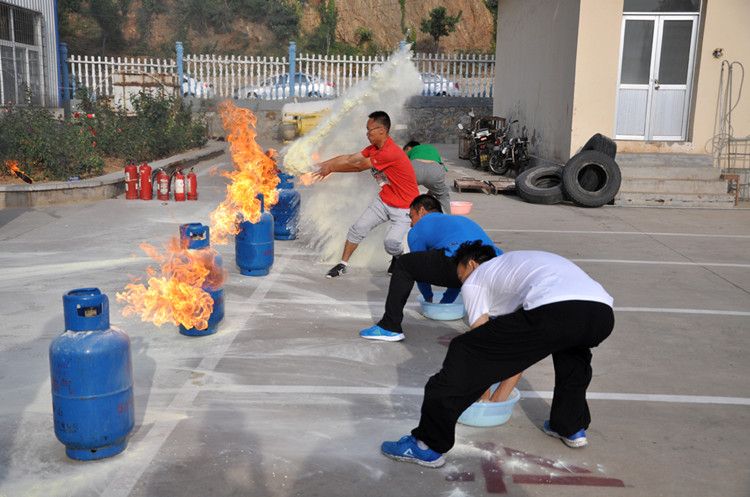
(292, 66)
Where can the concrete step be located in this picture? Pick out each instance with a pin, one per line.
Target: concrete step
(675, 180)
(673, 200)
(656, 185)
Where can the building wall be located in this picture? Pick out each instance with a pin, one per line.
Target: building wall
(597, 67)
(727, 26)
(557, 69)
(535, 71)
(49, 28)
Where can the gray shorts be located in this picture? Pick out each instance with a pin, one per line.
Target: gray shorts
(377, 213)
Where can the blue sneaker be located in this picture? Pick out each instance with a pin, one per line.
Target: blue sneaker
(378, 333)
(576, 441)
(407, 450)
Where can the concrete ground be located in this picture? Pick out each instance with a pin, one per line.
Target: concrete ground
(287, 400)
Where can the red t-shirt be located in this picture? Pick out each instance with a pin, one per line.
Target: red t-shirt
(394, 173)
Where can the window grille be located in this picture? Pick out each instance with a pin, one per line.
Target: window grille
(21, 60)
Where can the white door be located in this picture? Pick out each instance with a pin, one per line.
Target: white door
(656, 72)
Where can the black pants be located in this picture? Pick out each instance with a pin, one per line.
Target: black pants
(429, 266)
(508, 345)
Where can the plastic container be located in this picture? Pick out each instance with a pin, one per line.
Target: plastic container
(462, 208)
(490, 413)
(92, 379)
(442, 312)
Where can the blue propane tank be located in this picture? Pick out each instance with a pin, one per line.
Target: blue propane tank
(286, 211)
(254, 244)
(196, 237)
(92, 379)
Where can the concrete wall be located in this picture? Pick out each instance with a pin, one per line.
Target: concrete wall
(535, 71)
(431, 119)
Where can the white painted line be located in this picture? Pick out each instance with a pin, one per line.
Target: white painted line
(10, 273)
(526, 394)
(668, 310)
(664, 263)
(367, 303)
(640, 233)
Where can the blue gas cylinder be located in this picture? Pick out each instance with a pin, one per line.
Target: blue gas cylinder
(254, 244)
(196, 238)
(92, 379)
(286, 211)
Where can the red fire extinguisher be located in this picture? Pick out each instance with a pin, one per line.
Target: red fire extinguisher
(192, 186)
(144, 174)
(162, 185)
(131, 182)
(179, 186)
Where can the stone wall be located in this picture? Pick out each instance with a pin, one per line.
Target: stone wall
(431, 119)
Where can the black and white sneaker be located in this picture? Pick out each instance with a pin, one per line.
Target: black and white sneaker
(337, 270)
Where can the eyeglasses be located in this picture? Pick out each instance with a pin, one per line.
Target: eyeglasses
(370, 130)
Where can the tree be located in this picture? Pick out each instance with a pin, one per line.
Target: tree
(492, 7)
(440, 24)
(110, 16)
(329, 16)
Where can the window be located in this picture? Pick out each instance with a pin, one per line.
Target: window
(21, 61)
(661, 6)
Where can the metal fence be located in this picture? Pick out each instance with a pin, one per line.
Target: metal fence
(314, 76)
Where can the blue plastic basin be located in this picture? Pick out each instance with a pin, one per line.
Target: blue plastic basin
(442, 312)
(490, 413)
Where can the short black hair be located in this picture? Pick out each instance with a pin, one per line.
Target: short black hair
(474, 251)
(381, 118)
(429, 203)
(411, 144)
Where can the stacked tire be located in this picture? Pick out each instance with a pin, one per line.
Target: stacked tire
(591, 178)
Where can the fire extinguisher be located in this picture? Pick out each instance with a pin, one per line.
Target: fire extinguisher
(179, 186)
(144, 174)
(192, 186)
(131, 182)
(162, 185)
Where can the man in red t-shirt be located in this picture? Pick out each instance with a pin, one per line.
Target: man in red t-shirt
(394, 173)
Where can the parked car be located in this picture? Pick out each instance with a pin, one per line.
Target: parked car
(196, 88)
(435, 84)
(278, 87)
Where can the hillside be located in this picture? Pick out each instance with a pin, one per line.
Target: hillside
(150, 27)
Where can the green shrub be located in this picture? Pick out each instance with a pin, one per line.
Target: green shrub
(47, 148)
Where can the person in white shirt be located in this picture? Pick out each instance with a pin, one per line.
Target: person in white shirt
(522, 306)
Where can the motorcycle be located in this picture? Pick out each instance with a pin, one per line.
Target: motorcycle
(509, 154)
(479, 151)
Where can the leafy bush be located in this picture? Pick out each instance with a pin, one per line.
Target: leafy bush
(57, 149)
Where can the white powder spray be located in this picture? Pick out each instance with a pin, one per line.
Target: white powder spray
(330, 207)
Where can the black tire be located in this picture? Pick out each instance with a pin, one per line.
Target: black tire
(497, 163)
(541, 185)
(601, 143)
(591, 178)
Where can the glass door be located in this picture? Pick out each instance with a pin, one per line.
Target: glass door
(656, 72)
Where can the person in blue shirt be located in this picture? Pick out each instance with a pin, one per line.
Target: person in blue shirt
(433, 240)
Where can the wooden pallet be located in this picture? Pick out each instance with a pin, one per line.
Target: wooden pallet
(501, 185)
(462, 184)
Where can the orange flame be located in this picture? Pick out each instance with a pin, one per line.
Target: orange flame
(254, 173)
(13, 166)
(178, 292)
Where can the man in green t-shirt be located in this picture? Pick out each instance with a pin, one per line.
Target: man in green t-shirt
(430, 171)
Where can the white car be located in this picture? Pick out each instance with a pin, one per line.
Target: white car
(196, 88)
(435, 84)
(278, 87)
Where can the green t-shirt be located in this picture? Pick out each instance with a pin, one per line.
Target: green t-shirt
(424, 152)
